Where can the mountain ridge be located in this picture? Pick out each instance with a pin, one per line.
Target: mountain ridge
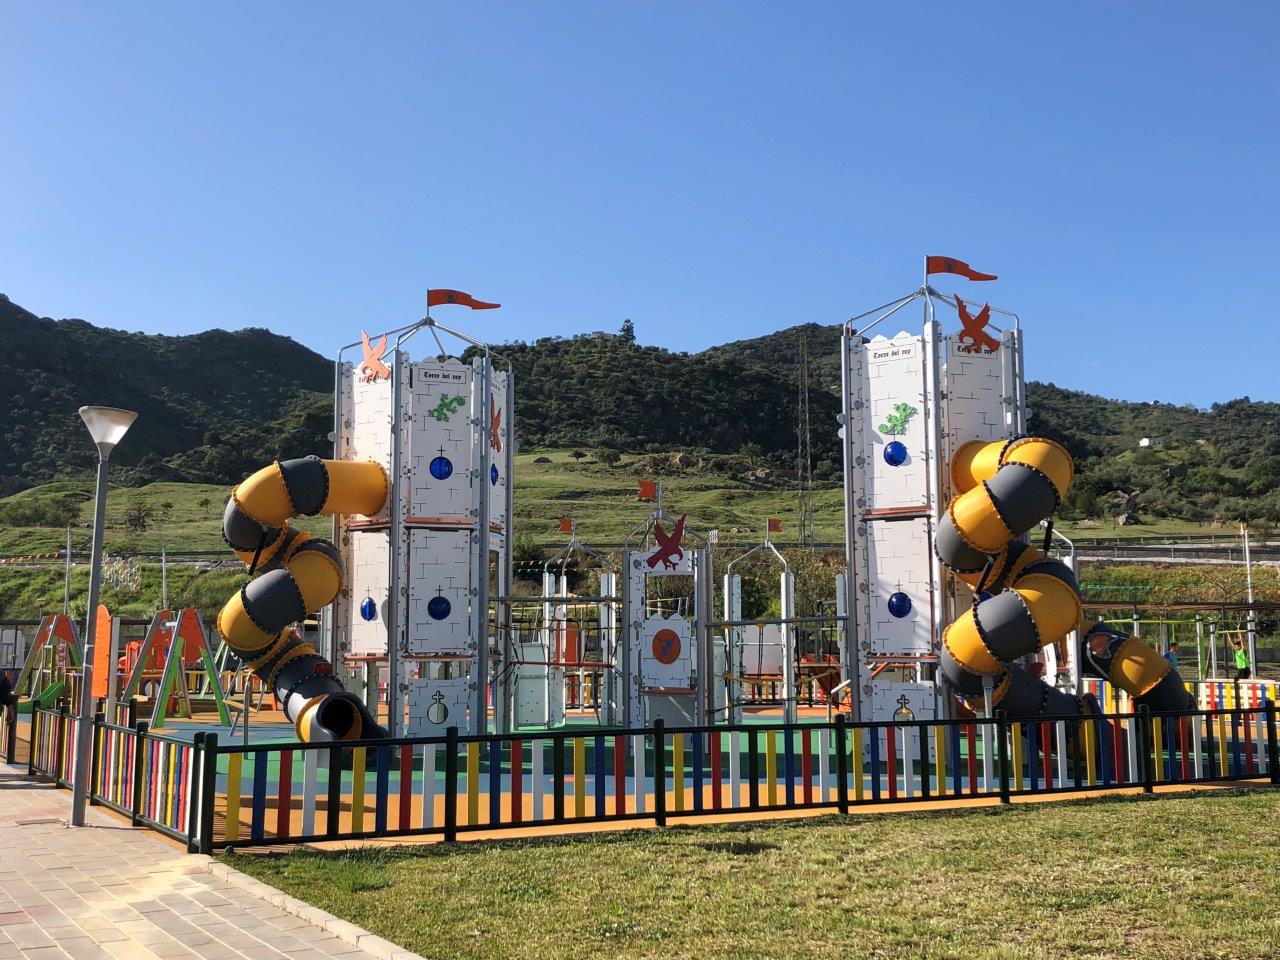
(216, 405)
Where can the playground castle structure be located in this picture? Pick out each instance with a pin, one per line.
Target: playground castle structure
(942, 595)
(418, 488)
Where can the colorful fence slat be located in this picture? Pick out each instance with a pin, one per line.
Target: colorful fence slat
(579, 777)
(640, 790)
(358, 760)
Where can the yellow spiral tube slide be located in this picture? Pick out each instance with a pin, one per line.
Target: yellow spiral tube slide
(296, 575)
(1028, 600)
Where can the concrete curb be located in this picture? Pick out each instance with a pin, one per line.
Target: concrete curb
(371, 943)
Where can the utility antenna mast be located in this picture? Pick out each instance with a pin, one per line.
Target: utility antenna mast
(804, 455)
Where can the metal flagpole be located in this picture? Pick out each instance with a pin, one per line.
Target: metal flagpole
(934, 455)
(397, 601)
(1252, 617)
(852, 664)
(480, 723)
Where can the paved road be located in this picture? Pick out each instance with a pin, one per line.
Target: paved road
(109, 891)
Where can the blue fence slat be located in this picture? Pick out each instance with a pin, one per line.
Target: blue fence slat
(597, 764)
(1033, 755)
(380, 802)
(258, 821)
(874, 736)
(697, 771)
(957, 773)
(1106, 751)
(495, 781)
(1237, 767)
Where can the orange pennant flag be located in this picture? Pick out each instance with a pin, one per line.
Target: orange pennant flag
(566, 525)
(775, 525)
(443, 298)
(958, 267)
(648, 490)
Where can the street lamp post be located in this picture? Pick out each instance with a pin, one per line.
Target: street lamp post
(107, 426)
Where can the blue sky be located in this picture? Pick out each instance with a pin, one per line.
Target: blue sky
(713, 171)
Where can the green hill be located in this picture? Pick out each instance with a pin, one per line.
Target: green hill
(217, 405)
(211, 406)
(1211, 466)
(607, 391)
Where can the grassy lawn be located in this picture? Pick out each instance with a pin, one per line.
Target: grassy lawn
(187, 516)
(603, 500)
(1150, 527)
(1177, 876)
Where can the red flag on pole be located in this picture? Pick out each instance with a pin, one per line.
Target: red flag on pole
(648, 490)
(958, 267)
(443, 298)
(775, 525)
(566, 525)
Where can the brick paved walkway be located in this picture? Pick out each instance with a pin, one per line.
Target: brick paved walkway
(109, 891)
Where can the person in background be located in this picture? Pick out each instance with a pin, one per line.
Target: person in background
(8, 702)
(1171, 654)
(1242, 659)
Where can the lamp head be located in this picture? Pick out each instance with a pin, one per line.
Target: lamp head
(107, 426)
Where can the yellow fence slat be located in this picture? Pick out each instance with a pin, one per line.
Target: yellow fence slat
(579, 776)
(1015, 733)
(473, 783)
(357, 789)
(233, 797)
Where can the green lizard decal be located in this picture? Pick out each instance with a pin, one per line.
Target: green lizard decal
(896, 422)
(445, 408)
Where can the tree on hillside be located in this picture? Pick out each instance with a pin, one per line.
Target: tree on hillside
(628, 331)
(204, 503)
(608, 456)
(137, 515)
(578, 455)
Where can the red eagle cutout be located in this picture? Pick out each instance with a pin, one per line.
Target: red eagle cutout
(495, 425)
(372, 365)
(975, 329)
(669, 552)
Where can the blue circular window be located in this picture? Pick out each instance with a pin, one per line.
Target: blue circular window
(438, 607)
(895, 453)
(368, 609)
(442, 468)
(899, 604)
